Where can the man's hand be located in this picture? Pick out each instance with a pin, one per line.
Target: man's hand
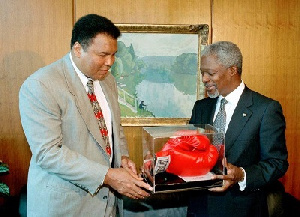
(126, 181)
(128, 165)
(234, 175)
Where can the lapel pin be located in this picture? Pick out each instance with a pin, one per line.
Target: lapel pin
(244, 114)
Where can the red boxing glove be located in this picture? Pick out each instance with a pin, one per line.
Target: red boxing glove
(191, 155)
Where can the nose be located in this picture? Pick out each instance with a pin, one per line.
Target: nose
(110, 59)
(205, 78)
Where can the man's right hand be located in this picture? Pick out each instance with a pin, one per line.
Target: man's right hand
(127, 184)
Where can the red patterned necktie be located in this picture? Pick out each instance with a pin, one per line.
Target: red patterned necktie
(99, 115)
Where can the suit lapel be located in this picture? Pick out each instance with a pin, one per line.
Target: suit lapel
(107, 90)
(211, 108)
(240, 117)
(212, 111)
(81, 100)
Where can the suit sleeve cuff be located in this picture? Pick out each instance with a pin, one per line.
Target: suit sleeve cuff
(242, 184)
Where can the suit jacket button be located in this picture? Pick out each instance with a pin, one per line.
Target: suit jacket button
(105, 198)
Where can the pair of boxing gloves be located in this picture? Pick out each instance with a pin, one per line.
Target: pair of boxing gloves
(190, 155)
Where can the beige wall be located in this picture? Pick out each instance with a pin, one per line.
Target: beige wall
(35, 33)
(269, 36)
(148, 11)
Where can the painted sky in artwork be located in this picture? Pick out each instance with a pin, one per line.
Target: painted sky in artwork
(152, 44)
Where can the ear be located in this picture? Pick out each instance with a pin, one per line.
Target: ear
(233, 70)
(77, 49)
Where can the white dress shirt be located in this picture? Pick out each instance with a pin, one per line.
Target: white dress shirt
(101, 99)
(233, 99)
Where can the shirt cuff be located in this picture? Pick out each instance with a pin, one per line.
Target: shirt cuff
(242, 184)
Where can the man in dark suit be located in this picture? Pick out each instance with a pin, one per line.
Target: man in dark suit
(255, 149)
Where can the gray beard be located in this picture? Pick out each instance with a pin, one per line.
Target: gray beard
(214, 95)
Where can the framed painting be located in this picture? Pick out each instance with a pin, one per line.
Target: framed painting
(157, 69)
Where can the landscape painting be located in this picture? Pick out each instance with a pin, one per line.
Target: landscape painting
(157, 74)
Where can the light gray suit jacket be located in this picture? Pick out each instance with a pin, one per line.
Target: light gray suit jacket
(68, 161)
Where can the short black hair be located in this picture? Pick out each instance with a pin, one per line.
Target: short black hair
(88, 26)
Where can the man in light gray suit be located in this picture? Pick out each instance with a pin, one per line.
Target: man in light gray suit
(71, 171)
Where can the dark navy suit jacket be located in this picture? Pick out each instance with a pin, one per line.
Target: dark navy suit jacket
(254, 140)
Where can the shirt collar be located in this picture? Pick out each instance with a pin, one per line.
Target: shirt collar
(235, 95)
(82, 77)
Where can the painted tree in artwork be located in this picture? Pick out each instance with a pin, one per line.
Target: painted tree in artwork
(184, 72)
(127, 68)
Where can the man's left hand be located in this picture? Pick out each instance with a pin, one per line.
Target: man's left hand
(234, 175)
(129, 165)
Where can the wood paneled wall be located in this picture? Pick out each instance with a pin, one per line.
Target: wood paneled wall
(148, 11)
(35, 33)
(268, 34)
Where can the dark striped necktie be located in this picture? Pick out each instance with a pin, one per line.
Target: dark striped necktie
(220, 120)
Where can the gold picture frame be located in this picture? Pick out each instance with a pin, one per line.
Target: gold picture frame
(201, 30)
